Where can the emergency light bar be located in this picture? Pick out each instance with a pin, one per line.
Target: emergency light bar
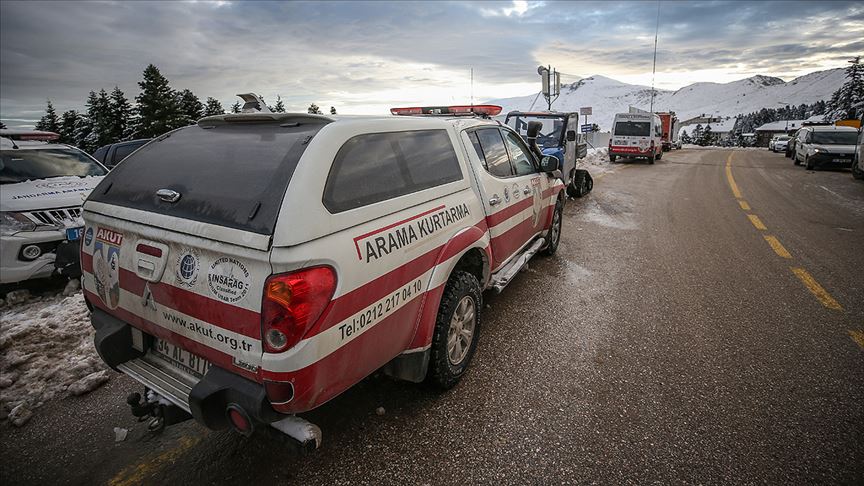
(29, 135)
(483, 110)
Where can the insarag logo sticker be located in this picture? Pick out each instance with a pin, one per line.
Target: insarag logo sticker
(228, 280)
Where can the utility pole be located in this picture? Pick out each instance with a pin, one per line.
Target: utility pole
(550, 80)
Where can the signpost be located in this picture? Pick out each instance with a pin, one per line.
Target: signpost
(586, 128)
(585, 111)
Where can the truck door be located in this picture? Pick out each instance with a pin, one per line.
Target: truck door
(511, 193)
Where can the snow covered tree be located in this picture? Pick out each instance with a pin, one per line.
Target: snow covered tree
(707, 137)
(69, 121)
(213, 107)
(235, 108)
(685, 138)
(49, 121)
(279, 107)
(191, 107)
(314, 110)
(120, 127)
(697, 133)
(159, 110)
(843, 102)
(97, 131)
(332, 110)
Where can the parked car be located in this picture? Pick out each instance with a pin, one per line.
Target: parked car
(825, 145)
(779, 143)
(790, 144)
(858, 163)
(43, 187)
(356, 244)
(111, 155)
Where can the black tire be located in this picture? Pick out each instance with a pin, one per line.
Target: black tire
(442, 372)
(581, 183)
(651, 160)
(589, 181)
(573, 189)
(611, 159)
(856, 172)
(807, 164)
(795, 159)
(554, 233)
(660, 155)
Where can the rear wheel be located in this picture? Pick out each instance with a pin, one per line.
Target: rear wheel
(611, 159)
(857, 172)
(456, 330)
(651, 160)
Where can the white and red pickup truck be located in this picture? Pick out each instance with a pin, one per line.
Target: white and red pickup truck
(256, 265)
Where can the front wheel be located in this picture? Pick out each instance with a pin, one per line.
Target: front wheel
(554, 233)
(456, 330)
(611, 159)
(807, 164)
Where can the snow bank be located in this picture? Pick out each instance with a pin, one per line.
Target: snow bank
(46, 352)
(596, 162)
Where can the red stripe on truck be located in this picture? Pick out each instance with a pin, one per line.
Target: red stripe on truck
(236, 319)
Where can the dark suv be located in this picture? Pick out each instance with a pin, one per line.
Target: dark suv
(111, 155)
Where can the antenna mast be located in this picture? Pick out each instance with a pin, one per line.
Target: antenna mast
(654, 68)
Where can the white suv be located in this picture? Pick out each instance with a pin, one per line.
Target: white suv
(254, 266)
(43, 187)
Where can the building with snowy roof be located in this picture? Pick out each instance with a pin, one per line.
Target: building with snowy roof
(783, 127)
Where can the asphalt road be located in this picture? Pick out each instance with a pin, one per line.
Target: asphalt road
(670, 340)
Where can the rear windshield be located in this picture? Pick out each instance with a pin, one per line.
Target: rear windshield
(232, 175)
(835, 138)
(551, 135)
(632, 129)
(20, 165)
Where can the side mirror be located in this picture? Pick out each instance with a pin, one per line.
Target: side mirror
(549, 163)
(571, 135)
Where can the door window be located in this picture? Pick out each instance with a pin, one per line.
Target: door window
(522, 159)
(490, 148)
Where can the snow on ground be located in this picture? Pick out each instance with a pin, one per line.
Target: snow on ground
(596, 162)
(46, 352)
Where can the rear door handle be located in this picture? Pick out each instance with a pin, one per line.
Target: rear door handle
(494, 200)
(526, 191)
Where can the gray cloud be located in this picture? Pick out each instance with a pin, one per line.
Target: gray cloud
(348, 53)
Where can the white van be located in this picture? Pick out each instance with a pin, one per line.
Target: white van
(636, 135)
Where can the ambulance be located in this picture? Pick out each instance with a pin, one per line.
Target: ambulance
(636, 135)
(256, 265)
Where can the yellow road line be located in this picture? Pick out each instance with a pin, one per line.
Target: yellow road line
(858, 337)
(817, 290)
(735, 191)
(757, 222)
(139, 473)
(778, 248)
(744, 205)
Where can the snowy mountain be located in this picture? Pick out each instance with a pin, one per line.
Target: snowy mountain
(607, 96)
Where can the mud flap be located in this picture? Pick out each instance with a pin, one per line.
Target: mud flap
(408, 366)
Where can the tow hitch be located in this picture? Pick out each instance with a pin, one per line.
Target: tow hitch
(157, 409)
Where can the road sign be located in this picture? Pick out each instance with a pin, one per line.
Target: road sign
(586, 128)
(585, 110)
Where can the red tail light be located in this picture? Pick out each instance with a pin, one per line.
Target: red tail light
(293, 302)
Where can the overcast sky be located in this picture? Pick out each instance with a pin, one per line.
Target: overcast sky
(366, 57)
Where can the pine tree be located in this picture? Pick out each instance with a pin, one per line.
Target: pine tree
(68, 125)
(96, 132)
(707, 137)
(235, 108)
(314, 110)
(685, 138)
(333, 110)
(697, 133)
(279, 107)
(213, 107)
(191, 107)
(49, 121)
(120, 127)
(2, 125)
(158, 107)
(844, 101)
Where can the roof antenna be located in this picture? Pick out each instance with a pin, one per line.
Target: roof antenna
(472, 87)
(654, 68)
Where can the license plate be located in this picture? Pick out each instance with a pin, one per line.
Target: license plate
(180, 358)
(74, 234)
(839, 160)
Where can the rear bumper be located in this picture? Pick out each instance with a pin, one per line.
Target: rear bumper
(630, 152)
(207, 399)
